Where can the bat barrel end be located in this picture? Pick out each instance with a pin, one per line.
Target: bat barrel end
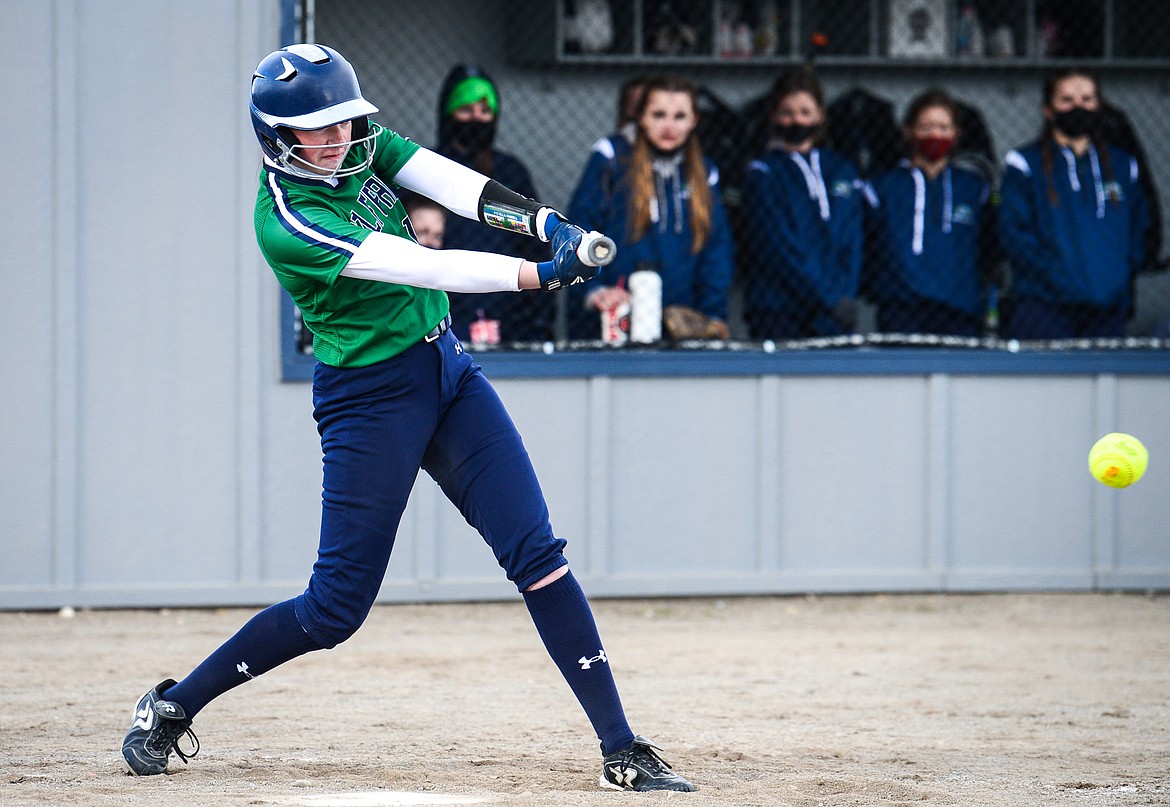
(600, 251)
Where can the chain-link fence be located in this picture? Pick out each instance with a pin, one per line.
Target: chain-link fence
(782, 172)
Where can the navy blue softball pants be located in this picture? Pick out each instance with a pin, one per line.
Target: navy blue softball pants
(431, 408)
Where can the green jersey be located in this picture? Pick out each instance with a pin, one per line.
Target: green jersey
(309, 229)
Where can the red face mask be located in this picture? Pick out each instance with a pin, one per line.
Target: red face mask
(934, 148)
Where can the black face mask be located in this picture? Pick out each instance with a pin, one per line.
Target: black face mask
(472, 135)
(1077, 122)
(796, 133)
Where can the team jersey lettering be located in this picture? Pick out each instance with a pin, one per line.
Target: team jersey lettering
(406, 225)
(378, 199)
(356, 218)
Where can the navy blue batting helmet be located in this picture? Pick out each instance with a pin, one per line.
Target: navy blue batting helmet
(302, 87)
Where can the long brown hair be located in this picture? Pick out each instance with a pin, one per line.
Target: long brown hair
(1047, 139)
(640, 175)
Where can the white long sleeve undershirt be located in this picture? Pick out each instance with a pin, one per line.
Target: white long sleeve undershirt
(391, 259)
(451, 184)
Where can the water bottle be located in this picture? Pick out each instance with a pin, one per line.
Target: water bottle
(645, 306)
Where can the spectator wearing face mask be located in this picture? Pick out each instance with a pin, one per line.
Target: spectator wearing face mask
(925, 264)
(1072, 221)
(802, 207)
(469, 114)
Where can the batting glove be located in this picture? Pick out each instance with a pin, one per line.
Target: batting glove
(565, 268)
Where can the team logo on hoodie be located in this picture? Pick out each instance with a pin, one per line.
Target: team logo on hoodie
(964, 214)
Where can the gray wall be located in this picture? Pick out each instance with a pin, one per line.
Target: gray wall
(150, 455)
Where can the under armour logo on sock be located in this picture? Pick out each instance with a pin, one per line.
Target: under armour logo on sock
(586, 663)
(243, 667)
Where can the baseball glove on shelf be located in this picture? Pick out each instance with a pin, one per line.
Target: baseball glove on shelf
(683, 322)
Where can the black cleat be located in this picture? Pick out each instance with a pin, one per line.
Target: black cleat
(640, 768)
(155, 733)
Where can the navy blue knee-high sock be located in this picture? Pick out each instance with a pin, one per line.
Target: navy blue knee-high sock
(565, 623)
(269, 639)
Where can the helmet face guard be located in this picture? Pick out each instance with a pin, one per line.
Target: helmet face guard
(293, 155)
(306, 87)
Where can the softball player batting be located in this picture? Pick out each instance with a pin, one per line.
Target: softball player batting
(393, 392)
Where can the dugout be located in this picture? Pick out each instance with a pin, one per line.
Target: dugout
(158, 449)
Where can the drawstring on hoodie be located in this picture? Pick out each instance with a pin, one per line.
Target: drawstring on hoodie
(664, 168)
(1095, 167)
(814, 179)
(920, 205)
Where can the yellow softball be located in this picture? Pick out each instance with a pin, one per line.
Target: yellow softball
(1118, 460)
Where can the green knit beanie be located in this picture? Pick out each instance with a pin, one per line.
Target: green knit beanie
(472, 90)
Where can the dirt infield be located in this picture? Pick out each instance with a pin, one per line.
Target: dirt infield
(946, 700)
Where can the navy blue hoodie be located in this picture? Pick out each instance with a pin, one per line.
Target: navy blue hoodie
(804, 232)
(601, 202)
(1083, 249)
(927, 238)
